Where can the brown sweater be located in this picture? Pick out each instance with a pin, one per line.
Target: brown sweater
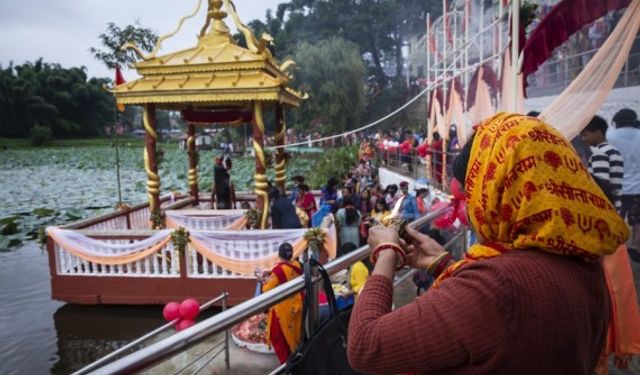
(525, 312)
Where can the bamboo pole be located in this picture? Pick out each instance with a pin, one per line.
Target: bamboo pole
(515, 39)
(482, 30)
(429, 97)
(500, 41)
(444, 137)
(466, 58)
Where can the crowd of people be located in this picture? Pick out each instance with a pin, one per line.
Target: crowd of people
(414, 148)
(540, 277)
(357, 202)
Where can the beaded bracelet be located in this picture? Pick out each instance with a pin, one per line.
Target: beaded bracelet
(389, 246)
(439, 263)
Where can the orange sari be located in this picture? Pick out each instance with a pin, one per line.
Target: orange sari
(288, 312)
(623, 338)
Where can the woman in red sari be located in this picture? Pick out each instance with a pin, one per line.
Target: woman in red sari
(306, 201)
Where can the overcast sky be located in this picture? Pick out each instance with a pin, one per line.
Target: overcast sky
(62, 31)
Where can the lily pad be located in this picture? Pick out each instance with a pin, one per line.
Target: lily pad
(8, 227)
(74, 214)
(5, 243)
(8, 219)
(43, 212)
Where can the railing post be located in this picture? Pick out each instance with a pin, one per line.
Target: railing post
(182, 254)
(226, 334)
(128, 217)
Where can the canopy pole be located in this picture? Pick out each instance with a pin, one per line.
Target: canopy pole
(117, 146)
(261, 184)
(150, 160)
(281, 140)
(193, 163)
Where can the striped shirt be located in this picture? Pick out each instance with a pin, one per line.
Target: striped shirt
(607, 164)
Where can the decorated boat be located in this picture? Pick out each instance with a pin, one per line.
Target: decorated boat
(176, 246)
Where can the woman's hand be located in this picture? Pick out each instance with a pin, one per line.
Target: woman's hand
(379, 235)
(421, 249)
(387, 259)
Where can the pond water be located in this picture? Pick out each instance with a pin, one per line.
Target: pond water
(53, 186)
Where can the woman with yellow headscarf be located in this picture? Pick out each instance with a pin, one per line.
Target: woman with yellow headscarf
(529, 298)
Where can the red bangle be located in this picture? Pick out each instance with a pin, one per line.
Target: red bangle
(389, 246)
(442, 265)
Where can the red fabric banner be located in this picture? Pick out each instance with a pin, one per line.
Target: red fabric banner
(209, 117)
(565, 19)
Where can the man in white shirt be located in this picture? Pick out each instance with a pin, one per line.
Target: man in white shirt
(626, 138)
(606, 163)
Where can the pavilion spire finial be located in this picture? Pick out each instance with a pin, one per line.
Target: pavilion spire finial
(215, 13)
(215, 10)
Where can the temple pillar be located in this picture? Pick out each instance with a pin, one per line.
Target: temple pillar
(193, 162)
(260, 178)
(281, 140)
(150, 161)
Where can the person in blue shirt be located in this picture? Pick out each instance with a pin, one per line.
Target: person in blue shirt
(330, 194)
(409, 207)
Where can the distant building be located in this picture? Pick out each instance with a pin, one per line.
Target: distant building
(203, 142)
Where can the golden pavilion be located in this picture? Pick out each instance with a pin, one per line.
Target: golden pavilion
(215, 81)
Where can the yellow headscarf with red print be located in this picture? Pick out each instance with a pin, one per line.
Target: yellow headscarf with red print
(526, 188)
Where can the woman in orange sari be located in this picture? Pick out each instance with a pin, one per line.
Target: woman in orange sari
(284, 321)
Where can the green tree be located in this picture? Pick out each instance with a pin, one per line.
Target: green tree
(60, 99)
(380, 28)
(112, 55)
(332, 73)
(40, 135)
(112, 40)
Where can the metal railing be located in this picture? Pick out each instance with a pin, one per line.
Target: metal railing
(116, 353)
(181, 341)
(416, 167)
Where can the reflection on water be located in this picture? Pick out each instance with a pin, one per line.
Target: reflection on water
(39, 335)
(86, 333)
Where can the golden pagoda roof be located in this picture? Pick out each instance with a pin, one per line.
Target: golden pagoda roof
(214, 72)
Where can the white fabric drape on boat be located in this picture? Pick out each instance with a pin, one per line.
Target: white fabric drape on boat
(191, 222)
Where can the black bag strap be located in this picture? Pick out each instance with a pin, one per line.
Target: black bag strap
(326, 285)
(308, 298)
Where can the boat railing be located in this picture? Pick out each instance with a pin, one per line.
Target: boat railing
(164, 328)
(138, 216)
(151, 355)
(162, 263)
(134, 217)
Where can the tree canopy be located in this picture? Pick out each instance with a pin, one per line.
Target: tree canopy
(331, 72)
(115, 37)
(63, 100)
(376, 31)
